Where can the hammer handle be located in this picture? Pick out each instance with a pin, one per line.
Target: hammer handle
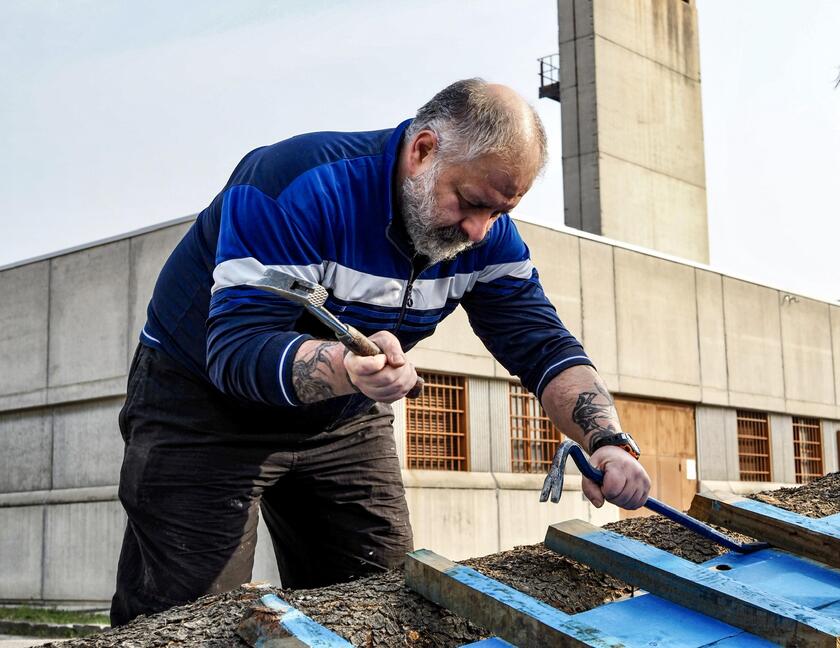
(363, 346)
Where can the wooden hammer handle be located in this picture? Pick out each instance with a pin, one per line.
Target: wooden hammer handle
(363, 346)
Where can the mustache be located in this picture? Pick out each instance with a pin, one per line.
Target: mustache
(451, 234)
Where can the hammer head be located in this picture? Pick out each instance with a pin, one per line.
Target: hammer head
(291, 287)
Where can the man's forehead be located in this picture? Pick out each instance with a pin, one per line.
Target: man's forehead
(497, 184)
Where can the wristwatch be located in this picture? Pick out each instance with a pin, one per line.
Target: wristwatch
(622, 440)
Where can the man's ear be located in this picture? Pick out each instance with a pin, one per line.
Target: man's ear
(421, 150)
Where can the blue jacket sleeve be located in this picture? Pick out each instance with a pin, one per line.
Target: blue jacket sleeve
(251, 341)
(510, 313)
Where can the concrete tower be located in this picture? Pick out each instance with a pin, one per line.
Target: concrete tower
(633, 164)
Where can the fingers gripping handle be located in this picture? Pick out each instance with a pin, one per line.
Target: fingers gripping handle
(359, 344)
(362, 346)
(553, 488)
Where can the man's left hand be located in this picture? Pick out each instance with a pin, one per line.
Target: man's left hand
(626, 483)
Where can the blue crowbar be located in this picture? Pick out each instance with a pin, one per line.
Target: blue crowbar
(553, 487)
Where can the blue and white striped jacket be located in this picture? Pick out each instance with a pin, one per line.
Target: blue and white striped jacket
(320, 206)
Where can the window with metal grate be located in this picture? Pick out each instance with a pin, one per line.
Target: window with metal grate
(436, 424)
(807, 449)
(533, 437)
(754, 445)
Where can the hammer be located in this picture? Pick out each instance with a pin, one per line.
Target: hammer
(313, 296)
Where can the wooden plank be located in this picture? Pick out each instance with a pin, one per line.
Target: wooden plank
(276, 624)
(808, 537)
(514, 616)
(693, 586)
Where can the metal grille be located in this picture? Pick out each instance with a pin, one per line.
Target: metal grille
(754, 446)
(533, 437)
(807, 449)
(436, 424)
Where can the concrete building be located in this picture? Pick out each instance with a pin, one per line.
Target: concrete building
(685, 349)
(725, 383)
(629, 83)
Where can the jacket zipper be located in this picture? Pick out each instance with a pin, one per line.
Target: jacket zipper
(407, 300)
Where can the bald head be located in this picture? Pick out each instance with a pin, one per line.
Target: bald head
(473, 118)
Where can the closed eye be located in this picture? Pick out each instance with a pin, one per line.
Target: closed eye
(468, 204)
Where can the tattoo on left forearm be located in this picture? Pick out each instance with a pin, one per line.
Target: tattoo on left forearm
(312, 376)
(595, 413)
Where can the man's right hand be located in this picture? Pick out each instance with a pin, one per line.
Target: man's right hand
(385, 377)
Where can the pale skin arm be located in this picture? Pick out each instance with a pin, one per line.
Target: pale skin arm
(325, 369)
(580, 405)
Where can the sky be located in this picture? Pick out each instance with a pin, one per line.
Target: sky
(116, 115)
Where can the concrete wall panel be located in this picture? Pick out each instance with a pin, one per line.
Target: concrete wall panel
(663, 108)
(21, 540)
(831, 451)
(806, 349)
(454, 348)
(89, 315)
(25, 439)
(657, 321)
(674, 223)
(265, 562)
(24, 297)
(557, 257)
(835, 347)
(400, 430)
(660, 30)
(753, 345)
(598, 295)
(454, 522)
(523, 519)
(500, 451)
(81, 550)
(148, 254)
(717, 444)
(88, 448)
(781, 449)
(712, 337)
(480, 430)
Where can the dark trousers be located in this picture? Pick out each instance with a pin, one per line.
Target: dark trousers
(198, 468)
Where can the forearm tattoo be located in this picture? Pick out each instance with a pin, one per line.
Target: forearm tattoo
(312, 376)
(595, 413)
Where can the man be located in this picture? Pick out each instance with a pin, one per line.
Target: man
(238, 401)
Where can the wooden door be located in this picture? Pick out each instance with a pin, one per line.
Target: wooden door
(666, 436)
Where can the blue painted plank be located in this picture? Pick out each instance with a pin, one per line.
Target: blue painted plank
(832, 610)
(817, 539)
(301, 626)
(833, 520)
(817, 525)
(648, 620)
(694, 586)
(796, 579)
(492, 642)
(503, 610)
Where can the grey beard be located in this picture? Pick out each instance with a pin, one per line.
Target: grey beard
(419, 208)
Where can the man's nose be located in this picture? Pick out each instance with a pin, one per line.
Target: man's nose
(476, 226)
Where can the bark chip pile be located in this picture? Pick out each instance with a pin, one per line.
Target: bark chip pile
(379, 611)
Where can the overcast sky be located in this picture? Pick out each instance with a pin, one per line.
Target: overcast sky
(116, 115)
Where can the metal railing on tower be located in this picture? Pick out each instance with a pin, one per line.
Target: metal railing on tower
(550, 76)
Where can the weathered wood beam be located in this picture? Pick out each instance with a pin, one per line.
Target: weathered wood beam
(514, 616)
(276, 624)
(807, 537)
(693, 586)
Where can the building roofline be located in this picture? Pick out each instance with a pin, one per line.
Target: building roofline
(674, 259)
(563, 229)
(98, 242)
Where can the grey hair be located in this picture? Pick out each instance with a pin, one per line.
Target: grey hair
(470, 122)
